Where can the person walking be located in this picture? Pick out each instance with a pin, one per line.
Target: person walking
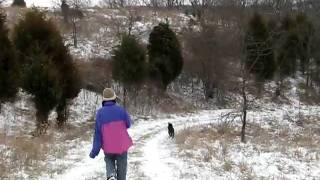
(111, 135)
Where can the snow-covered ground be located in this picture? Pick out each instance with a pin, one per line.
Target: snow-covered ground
(149, 158)
(100, 31)
(155, 156)
(101, 28)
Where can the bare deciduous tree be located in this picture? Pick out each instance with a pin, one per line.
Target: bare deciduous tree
(72, 12)
(209, 58)
(114, 3)
(76, 14)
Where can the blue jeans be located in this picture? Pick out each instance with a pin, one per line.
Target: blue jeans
(116, 165)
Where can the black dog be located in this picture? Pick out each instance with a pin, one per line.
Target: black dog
(170, 130)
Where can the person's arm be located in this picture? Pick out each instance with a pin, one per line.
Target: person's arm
(97, 139)
(127, 119)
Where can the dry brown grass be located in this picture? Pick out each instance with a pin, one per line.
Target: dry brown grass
(308, 95)
(227, 166)
(247, 172)
(280, 138)
(95, 74)
(149, 99)
(275, 139)
(181, 137)
(192, 137)
(223, 128)
(195, 138)
(25, 154)
(31, 154)
(243, 167)
(71, 132)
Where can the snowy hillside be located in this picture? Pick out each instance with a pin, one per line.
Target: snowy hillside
(283, 135)
(100, 30)
(204, 148)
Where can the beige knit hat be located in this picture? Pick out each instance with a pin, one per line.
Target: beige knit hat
(109, 94)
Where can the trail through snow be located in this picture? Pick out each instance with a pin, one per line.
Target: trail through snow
(149, 158)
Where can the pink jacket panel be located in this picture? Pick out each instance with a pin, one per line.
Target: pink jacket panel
(115, 138)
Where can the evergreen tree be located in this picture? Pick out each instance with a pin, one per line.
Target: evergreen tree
(129, 62)
(35, 32)
(40, 80)
(289, 41)
(8, 65)
(305, 31)
(260, 57)
(316, 71)
(19, 3)
(165, 59)
(68, 81)
(315, 54)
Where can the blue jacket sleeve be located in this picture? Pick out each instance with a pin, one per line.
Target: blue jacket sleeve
(127, 119)
(97, 140)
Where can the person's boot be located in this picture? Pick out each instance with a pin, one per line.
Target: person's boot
(111, 178)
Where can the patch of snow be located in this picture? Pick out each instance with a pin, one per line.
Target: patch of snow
(84, 106)
(154, 156)
(13, 116)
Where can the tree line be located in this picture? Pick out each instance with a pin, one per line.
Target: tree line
(158, 65)
(271, 45)
(278, 48)
(240, 47)
(233, 45)
(37, 61)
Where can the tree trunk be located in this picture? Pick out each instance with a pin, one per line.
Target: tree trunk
(124, 96)
(279, 87)
(279, 84)
(121, 3)
(278, 90)
(259, 86)
(42, 117)
(208, 89)
(149, 98)
(74, 27)
(135, 100)
(42, 123)
(243, 129)
(244, 112)
(308, 74)
(308, 80)
(192, 85)
(62, 114)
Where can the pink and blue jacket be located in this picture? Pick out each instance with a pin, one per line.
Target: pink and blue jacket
(112, 122)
